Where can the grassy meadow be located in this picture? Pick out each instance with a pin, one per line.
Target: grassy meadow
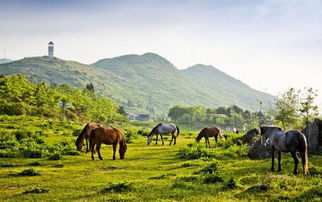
(184, 172)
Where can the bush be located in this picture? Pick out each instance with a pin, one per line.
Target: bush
(194, 152)
(37, 190)
(209, 169)
(55, 156)
(232, 184)
(29, 172)
(7, 154)
(162, 176)
(211, 179)
(36, 163)
(130, 135)
(59, 165)
(119, 187)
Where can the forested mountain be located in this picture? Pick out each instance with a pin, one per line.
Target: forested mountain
(228, 89)
(147, 83)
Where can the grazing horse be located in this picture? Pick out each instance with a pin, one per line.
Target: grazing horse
(85, 135)
(210, 132)
(285, 141)
(109, 136)
(162, 129)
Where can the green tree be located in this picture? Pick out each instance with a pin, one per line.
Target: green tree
(308, 109)
(286, 108)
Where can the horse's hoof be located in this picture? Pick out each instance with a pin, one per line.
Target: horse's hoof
(114, 158)
(295, 172)
(272, 169)
(101, 159)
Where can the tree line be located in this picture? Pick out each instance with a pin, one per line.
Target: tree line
(18, 96)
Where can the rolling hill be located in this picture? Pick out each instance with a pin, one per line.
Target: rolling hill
(5, 60)
(147, 83)
(231, 90)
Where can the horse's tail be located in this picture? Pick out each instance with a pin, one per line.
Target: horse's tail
(303, 151)
(80, 139)
(178, 131)
(221, 135)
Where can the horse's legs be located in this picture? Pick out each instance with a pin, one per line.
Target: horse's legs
(156, 140)
(162, 139)
(92, 150)
(98, 149)
(273, 153)
(216, 138)
(172, 138)
(279, 161)
(175, 140)
(86, 145)
(296, 161)
(114, 150)
(206, 142)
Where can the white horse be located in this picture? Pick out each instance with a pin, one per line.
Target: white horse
(162, 129)
(285, 141)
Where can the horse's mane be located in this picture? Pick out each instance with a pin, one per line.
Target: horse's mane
(202, 132)
(152, 131)
(81, 136)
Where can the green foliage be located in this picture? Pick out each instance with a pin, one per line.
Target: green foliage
(308, 109)
(212, 168)
(119, 187)
(194, 152)
(162, 176)
(36, 190)
(55, 156)
(225, 117)
(29, 172)
(232, 184)
(18, 96)
(311, 194)
(213, 178)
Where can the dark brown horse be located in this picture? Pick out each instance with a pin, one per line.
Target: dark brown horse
(109, 136)
(210, 132)
(85, 135)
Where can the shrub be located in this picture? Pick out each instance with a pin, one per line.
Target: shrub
(211, 179)
(37, 190)
(194, 153)
(188, 179)
(258, 188)
(29, 172)
(36, 163)
(119, 187)
(309, 195)
(55, 156)
(232, 184)
(59, 165)
(7, 154)
(209, 169)
(130, 135)
(162, 176)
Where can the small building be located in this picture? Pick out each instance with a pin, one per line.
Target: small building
(51, 49)
(138, 116)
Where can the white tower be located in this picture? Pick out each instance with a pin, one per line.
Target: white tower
(51, 49)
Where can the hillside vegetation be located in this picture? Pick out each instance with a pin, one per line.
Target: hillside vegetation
(147, 83)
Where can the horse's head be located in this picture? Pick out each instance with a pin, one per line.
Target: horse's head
(149, 138)
(267, 131)
(122, 150)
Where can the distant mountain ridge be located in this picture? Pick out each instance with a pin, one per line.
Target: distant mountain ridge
(5, 60)
(146, 83)
(234, 91)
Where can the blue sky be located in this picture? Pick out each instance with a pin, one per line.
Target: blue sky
(270, 45)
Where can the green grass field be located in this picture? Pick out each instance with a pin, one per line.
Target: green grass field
(156, 173)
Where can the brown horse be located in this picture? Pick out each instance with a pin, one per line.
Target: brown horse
(109, 136)
(210, 132)
(85, 135)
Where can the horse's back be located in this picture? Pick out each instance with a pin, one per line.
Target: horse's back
(213, 131)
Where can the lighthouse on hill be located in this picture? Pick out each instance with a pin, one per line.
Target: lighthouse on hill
(51, 49)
